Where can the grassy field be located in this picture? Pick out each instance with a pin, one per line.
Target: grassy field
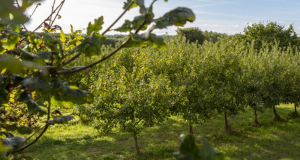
(271, 141)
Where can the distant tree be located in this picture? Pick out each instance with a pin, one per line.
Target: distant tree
(268, 34)
(213, 36)
(193, 34)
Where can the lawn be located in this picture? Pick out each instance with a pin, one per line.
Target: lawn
(270, 141)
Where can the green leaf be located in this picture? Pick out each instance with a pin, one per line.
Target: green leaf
(96, 27)
(28, 3)
(141, 4)
(126, 27)
(144, 40)
(90, 46)
(14, 141)
(138, 41)
(38, 84)
(177, 17)
(208, 152)
(10, 14)
(44, 54)
(77, 96)
(34, 108)
(126, 4)
(16, 66)
(12, 40)
(72, 29)
(61, 120)
(24, 97)
(3, 97)
(25, 130)
(51, 42)
(26, 55)
(190, 151)
(158, 42)
(62, 37)
(12, 127)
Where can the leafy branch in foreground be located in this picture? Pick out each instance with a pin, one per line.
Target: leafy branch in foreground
(32, 63)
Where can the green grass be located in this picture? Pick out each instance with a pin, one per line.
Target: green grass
(271, 141)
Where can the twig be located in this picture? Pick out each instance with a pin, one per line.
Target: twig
(52, 11)
(62, 3)
(108, 29)
(34, 10)
(105, 57)
(126, 9)
(48, 16)
(37, 138)
(71, 59)
(45, 129)
(43, 21)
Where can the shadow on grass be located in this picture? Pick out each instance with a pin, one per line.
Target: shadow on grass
(271, 140)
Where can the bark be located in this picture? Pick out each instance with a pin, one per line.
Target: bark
(191, 129)
(277, 117)
(255, 117)
(227, 128)
(137, 148)
(296, 105)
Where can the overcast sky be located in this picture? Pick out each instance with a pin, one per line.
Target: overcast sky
(225, 16)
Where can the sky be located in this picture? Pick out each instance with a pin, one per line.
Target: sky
(224, 16)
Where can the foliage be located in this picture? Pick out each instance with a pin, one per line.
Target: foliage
(268, 34)
(190, 151)
(195, 34)
(32, 66)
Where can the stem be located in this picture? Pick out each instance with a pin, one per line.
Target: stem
(71, 59)
(44, 21)
(255, 117)
(62, 3)
(275, 112)
(126, 9)
(52, 11)
(108, 29)
(191, 128)
(97, 62)
(37, 138)
(137, 148)
(296, 105)
(226, 120)
(48, 16)
(42, 133)
(105, 57)
(34, 11)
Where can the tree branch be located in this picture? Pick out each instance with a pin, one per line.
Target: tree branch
(44, 21)
(105, 57)
(126, 9)
(34, 11)
(97, 62)
(62, 3)
(48, 16)
(45, 129)
(107, 30)
(71, 59)
(52, 11)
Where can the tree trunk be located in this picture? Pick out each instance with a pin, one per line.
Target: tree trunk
(296, 105)
(277, 117)
(227, 128)
(255, 117)
(191, 128)
(137, 148)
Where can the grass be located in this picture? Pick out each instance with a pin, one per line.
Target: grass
(271, 141)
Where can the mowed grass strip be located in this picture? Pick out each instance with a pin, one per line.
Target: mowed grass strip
(270, 141)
